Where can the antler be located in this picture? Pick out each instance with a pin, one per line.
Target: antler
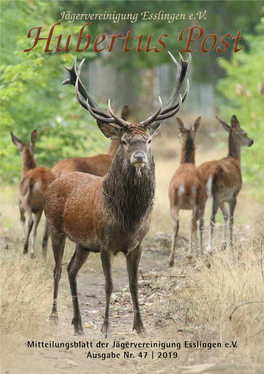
(89, 103)
(170, 109)
(175, 101)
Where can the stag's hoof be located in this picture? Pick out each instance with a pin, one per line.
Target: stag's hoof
(138, 326)
(171, 263)
(189, 256)
(106, 336)
(142, 332)
(53, 318)
(25, 250)
(209, 251)
(224, 245)
(32, 255)
(79, 332)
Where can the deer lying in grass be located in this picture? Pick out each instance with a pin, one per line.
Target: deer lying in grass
(187, 191)
(226, 178)
(32, 187)
(96, 165)
(109, 214)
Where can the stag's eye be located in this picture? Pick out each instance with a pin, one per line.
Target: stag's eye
(124, 143)
(149, 141)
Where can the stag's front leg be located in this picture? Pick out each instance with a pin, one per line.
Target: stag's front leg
(77, 261)
(22, 221)
(232, 205)
(132, 260)
(106, 259)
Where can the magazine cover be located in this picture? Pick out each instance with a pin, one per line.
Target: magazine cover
(132, 175)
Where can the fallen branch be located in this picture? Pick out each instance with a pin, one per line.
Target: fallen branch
(247, 303)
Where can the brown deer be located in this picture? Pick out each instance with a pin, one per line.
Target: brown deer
(225, 178)
(96, 165)
(109, 214)
(32, 187)
(187, 190)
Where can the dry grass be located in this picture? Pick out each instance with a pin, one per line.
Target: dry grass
(26, 290)
(227, 297)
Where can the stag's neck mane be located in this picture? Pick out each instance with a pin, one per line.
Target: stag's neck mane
(129, 196)
(28, 161)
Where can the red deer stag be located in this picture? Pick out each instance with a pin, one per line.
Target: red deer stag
(187, 191)
(109, 214)
(226, 178)
(96, 165)
(32, 187)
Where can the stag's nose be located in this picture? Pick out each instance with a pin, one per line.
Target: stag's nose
(138, 157)
(251, 143)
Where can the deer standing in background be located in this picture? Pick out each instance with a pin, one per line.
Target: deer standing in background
(96, 165)
(32, 187)
(109, 214)
(187, 191)
(226, 178)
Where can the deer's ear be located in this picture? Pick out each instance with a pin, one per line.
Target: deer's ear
(125, 112)
(33, 138)
(180, 125)
(110, 131)
(225, 125)
(196, 124)
(234, 122)
(17, 142)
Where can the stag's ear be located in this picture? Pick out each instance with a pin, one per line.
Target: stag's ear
(110, 131)
(234, 122)
(33, 138)
(125, 112)
(196, 124)
(225, 125)
(180, 125)
(17, 142)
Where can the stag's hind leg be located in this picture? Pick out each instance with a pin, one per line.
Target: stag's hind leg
(176, 225)
(30, 225)
(45, 239)
(201, 229)
(225, 215)
(106, 258)
(37, 218)
(77, 261)
(212, 225)
(22, 221)
(58, 244)
(132, 260)
(193, 239)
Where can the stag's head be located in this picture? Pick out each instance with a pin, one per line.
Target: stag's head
(25, 148)
(134, 138)
(237, 133)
